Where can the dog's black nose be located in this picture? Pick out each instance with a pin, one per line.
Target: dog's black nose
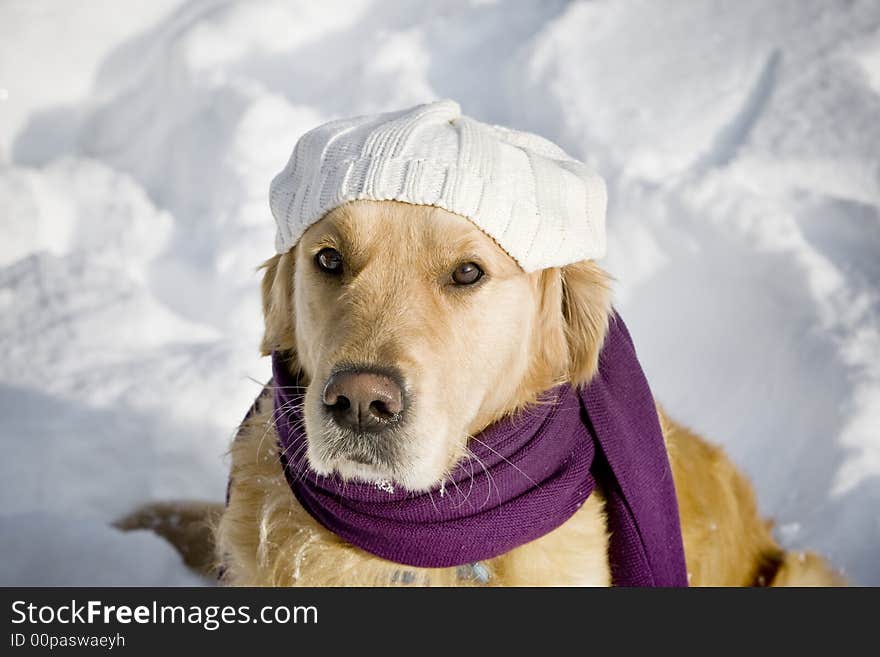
(363, 400)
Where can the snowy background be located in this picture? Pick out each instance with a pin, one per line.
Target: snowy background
(740, 140)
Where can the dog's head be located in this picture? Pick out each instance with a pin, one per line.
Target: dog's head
(414, 330)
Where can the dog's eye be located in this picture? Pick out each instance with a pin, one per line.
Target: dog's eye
(467, 274)
(329, 260)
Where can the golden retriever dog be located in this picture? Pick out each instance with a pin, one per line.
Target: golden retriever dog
(473, 338)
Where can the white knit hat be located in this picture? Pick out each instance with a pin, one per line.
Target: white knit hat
(541, 206)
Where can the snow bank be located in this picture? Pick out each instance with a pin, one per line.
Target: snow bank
(85, 553)
(742, 151)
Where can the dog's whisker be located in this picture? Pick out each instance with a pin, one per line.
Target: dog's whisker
(533, 482)
(295, 460)
(271, 424)
(489, 478)
(298, 446)
(455, 483)
(259, 383)
(301, 463)
(297, 453)
(301, 452)
(462, 497)
(471, 476)
(282, 413)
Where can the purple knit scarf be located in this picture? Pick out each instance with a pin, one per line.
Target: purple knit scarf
(529, 474)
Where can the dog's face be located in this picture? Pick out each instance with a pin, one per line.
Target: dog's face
(414, 330)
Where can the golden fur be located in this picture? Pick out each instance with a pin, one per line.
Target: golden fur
(471, 357)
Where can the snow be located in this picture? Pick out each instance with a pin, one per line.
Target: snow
(741, 146)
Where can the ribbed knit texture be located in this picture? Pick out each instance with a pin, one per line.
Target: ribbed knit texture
(537, 469)
(540, 205)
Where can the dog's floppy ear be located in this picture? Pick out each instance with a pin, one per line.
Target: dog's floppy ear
(586, 310)
(277, 291)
